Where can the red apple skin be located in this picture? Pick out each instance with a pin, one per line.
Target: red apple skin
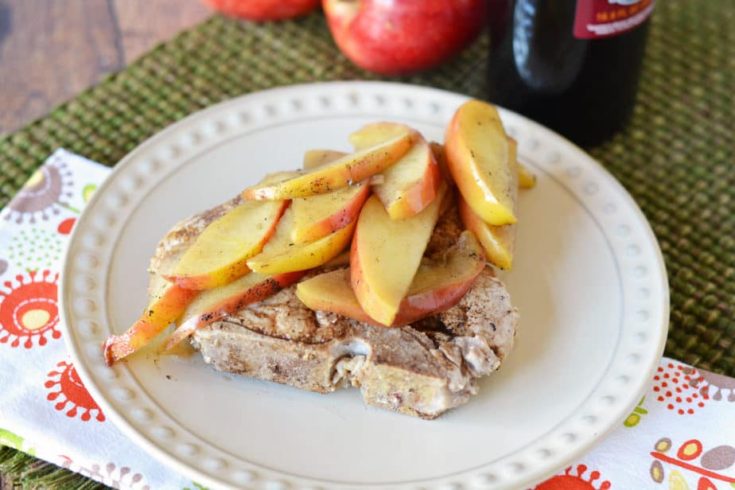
(418, 306)
(263, 10)
(412, 309)
(231, 305)
(394, 37)
(156, 318)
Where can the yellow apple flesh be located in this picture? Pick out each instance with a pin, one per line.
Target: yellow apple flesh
(436, 287)
(337, 174)
(219, 254)
(498, 242)
(317, 158)
(411, 183)
(376, 133)
(331, 291)
(214, 304)
(318, 216)
(478, 157)
(282, 255)
(440, 285)
(386, 254)
(526, 178)
(168, 303)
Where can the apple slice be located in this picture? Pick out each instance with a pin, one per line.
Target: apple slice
(441, 159)
(436, 287)
(526, 178)
(282, 255)
(317, 158)
(331, 291)
(214, 304)
(497, 241)
(440, 285)
(478, 157)
(168, 303)
(318, 216)
(386, 253)
(219, 254)
(339, 173)
(376, 133)
(411, 183)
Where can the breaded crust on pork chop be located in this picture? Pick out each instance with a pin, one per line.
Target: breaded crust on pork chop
(422, 369)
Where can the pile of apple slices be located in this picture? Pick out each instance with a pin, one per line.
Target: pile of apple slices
(382, 201)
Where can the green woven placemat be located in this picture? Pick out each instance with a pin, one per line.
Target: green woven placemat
(677, 156)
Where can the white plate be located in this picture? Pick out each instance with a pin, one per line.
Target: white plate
(589, 282)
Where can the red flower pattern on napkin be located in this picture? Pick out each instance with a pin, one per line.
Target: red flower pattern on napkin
(67, 390)
(29, 314)
(575, 481)
(673, 385)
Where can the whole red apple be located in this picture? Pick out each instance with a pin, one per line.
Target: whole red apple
(401, 36)
(264, 9)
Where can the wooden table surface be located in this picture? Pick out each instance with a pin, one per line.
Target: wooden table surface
(50, 50)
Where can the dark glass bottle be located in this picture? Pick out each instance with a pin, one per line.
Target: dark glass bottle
(572, 65)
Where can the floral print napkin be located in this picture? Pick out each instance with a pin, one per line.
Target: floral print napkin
(44, 408)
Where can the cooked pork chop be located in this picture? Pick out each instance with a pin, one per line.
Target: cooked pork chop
(422, 369)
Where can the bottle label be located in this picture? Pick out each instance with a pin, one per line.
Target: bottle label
(597, 19)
